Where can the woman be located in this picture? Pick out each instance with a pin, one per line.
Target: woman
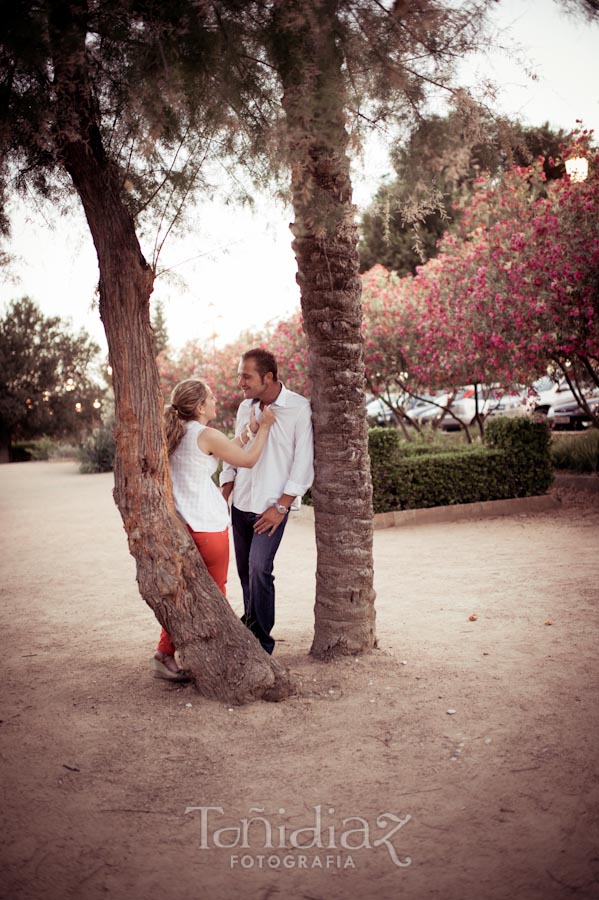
(194, 450)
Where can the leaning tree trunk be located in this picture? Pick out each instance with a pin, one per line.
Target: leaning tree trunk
(226, 660)
(325, 246)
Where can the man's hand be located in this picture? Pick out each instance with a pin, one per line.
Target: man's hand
(226, 490)
(269, 521)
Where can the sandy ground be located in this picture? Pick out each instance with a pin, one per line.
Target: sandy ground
(101, 764)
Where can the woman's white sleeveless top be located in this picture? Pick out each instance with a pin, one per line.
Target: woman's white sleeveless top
(197, 499)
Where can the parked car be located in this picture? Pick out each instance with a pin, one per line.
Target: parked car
(429, 408)
(543, 398)
(571, 415)
(378, 411)
(462, 408)
(511, 403)
(490, 401)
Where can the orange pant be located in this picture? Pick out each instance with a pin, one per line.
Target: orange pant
(214, 550)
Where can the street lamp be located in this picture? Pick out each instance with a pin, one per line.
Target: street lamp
(577, 168)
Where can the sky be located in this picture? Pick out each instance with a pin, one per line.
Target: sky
(234, 269)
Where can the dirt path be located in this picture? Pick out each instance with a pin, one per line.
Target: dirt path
(100, 762)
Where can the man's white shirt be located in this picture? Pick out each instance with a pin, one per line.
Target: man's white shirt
(286, 465)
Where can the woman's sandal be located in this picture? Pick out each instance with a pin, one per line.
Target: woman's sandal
(162, 671)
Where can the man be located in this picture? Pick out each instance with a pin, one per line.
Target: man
(263, 495)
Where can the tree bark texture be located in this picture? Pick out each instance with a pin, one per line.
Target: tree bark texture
(226, 660)
(325, 246)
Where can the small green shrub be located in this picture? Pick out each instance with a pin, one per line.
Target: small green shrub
(576, 452)
(383, 444)
(520, 435)
(24, 451)
(97, 452)
(64, 450)
(527, 445)
(384, 448)
(43, 448)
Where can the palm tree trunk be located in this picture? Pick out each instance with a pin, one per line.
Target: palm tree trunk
(325, 244)
(228, 662)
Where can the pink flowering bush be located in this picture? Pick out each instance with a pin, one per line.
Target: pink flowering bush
(512, 293)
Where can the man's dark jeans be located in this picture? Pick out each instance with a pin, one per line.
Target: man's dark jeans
(255, 555)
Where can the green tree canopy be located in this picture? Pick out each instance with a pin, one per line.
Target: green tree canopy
(45, 371)
(435, 171)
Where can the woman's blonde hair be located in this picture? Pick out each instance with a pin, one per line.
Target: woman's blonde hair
(184, 403)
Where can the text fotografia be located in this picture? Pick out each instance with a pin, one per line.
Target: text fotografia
(258, 834)
(289, 861)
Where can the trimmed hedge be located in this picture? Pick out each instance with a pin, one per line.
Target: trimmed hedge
(444, 479)
(528, 446)
(515, 463)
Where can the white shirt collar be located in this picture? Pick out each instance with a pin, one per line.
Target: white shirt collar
(281, 398)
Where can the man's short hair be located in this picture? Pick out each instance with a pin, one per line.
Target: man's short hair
(264, 362)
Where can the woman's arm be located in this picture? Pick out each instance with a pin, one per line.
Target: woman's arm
(250, 430)
(213, 441)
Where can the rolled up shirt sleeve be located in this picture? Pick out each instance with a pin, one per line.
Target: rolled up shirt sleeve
(227, 474)
(301, 474)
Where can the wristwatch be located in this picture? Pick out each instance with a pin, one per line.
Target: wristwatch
(282, 510)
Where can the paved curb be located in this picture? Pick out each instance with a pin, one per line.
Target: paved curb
(486, 509)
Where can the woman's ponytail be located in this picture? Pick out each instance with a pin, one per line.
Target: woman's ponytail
(185, 400)
(173, 427)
